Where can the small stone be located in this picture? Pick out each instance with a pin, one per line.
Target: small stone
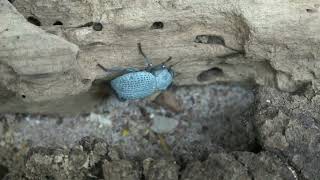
(161, 124)
(160, 169)
(102, 119)
(218, 166)
(168, 100)
(58, 158)
(119, 170)
(285, 82)
(114, 154)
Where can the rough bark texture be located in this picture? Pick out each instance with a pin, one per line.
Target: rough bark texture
(35, 66)
(215, 131)
(269, 43)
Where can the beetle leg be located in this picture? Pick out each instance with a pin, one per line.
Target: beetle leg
(169, 59)
(162, 65)
(121, 99)
(173, 64)
(118, 69)
(146, 59)
(103, 68)
(115, 69)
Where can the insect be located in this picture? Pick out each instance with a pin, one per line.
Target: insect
(133, 83)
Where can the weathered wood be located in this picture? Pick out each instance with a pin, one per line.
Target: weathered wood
(272, 43)
(35, 66)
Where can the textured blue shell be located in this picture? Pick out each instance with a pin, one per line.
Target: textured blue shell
(134, 85)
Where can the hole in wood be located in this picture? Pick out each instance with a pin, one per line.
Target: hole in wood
(157, 25)
(58, 23)
(97, 26)
(210, 39)
(311, 10)
(210, 74)
(34, 21)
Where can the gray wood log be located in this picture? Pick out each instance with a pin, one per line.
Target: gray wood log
(35, 66)
(268, 43)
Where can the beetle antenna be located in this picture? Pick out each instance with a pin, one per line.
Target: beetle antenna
(177, 74)
(174, 64)
(146, 59)
(114, 69)
(102, 67)
(168, 60)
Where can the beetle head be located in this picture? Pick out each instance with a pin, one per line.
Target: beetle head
(164, 77)
(164, 74)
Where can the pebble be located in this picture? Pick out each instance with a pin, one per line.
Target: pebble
(169, 101)
(162, 124)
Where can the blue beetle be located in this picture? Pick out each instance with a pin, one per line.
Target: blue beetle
(136, 83)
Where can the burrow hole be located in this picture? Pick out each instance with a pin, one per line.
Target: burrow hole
(97, 26)
(157, 25)
(312, 10)
(34, 21)
(210, 39)
(58, 23)
(210, 74)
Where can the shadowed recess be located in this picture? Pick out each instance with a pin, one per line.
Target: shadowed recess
(34, 21)
(97, 26)
(157, 25)
(58, 23)
(210, 74)
(210, 39)
(311, 10)
(88, 24)
(3, 171)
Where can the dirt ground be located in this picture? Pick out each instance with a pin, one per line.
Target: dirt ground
(192, 132)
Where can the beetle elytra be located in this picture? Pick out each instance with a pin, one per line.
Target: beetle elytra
(133, 83)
